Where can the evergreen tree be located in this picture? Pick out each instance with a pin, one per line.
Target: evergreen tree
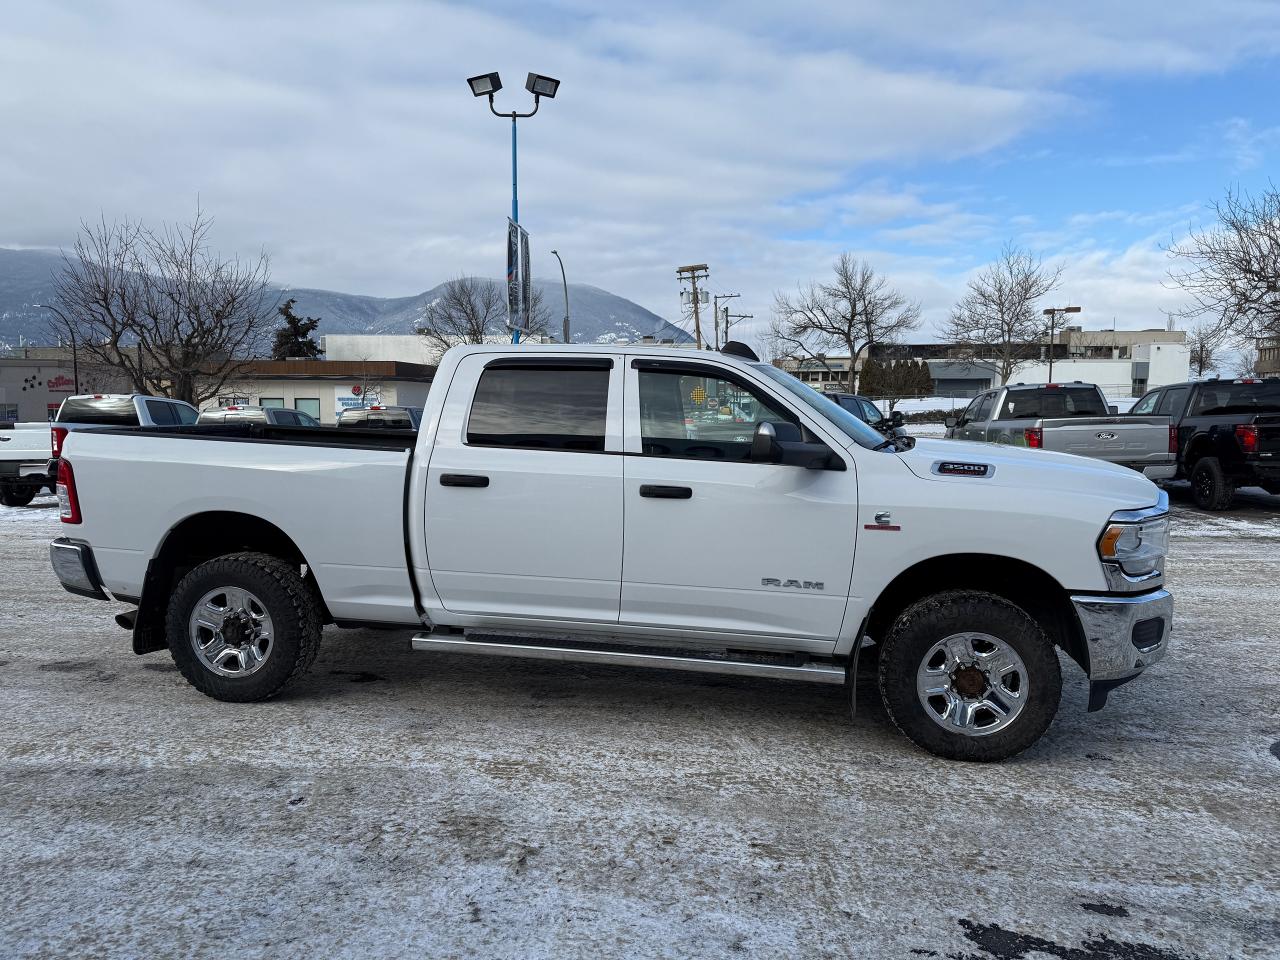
(924, 379)
(871, 380)
(293, 339)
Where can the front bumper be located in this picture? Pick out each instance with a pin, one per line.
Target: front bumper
(1123, 636)
(74, 566)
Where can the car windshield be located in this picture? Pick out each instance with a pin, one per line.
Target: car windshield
(856, 430)
(1046, 403)
(1222, 398)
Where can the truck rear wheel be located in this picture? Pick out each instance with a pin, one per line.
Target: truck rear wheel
(243, 627)
(15, 496)
(969, 676)
(1210, 486)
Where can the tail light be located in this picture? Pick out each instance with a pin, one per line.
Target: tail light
(1247, 434)
(57, 435)
(1173, 439)
(1035, 437)
(68, 502)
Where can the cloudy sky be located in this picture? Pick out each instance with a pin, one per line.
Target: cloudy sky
(762, 138)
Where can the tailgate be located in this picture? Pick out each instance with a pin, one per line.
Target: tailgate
(1268, 436)
(25, 442)
(1142, 440)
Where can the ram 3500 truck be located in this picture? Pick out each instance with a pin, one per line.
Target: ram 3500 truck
(574, 503)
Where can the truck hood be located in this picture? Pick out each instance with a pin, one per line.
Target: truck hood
(1038, 470)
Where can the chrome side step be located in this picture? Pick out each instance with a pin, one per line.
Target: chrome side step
(452, 643)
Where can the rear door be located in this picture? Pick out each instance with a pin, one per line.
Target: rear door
(715, 542)
(524, 495)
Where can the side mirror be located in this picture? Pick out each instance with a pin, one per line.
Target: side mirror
(1113, 409)
(896, 417)
(951, 423)
(782, 442)
(764, 444)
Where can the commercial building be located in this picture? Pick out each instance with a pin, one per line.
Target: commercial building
(33, 383)
(1268, 357)
(1125, 363)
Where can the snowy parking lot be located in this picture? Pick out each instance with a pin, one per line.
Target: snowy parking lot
(408, 804)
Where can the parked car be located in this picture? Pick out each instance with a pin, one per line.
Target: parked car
(24, 462)
(114, 410)
(1228, 435)
(866, 411)
(560, 491)
(1068, 418)
(381, 417)
(278, 416)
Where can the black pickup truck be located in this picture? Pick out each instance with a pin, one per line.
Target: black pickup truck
(1228, 435)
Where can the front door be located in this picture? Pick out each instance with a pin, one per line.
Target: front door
(715, 542)
(524, 497)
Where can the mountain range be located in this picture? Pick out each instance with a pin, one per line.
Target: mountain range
(596, 315)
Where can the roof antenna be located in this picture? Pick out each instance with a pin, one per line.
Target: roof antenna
(736, 348)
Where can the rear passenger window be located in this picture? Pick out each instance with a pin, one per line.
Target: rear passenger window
(162, 414)
(540, 409)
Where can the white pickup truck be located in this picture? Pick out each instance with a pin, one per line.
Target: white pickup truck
(569, 503)
(24, 462)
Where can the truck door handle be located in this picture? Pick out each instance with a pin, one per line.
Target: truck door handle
(659, 492)
(463, 480)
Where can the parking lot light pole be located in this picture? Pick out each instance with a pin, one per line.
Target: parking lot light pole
(486, 85)
(565, 283)
(75, 361)
(1054, 313)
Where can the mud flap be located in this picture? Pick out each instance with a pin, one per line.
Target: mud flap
(1099, 690)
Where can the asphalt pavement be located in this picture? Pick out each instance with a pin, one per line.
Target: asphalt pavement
(402, 804)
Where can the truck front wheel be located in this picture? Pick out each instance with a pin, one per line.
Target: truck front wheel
(243, 627)
(969, 676)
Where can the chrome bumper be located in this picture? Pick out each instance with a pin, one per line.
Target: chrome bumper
(74, 566)
(1124, 636)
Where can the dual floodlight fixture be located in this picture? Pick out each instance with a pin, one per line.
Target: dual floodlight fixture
(487, 84)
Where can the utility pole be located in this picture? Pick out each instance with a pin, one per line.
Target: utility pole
(1055, 314)
(692, 274)
(734, 316)
(716, 314)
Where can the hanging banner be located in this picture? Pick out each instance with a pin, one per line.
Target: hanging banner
(513, 274)
(526, 283)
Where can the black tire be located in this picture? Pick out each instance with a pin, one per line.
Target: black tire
(294, 613)
(12, 496)
(926, 623)
(1210, 485)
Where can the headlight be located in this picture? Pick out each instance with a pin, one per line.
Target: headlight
(1138, 548)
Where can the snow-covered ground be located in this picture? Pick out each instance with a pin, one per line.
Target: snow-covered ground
(399, 804)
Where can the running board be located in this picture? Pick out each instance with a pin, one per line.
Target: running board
(812, 672)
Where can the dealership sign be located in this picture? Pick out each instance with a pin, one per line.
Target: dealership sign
(60, 384)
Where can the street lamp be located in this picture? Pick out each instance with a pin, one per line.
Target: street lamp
(1052, 313)
(566, 295)
(486, 85)
(75, 361)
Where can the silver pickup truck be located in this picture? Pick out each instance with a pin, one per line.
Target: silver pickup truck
(1069, 418)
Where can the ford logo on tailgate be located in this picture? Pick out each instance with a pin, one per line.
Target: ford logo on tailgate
(1106, 435)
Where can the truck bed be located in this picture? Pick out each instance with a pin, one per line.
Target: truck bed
(338, 493)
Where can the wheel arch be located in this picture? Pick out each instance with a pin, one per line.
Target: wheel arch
(195, 539)
(1021, 583)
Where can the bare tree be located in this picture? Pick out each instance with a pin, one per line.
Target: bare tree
(469, 310)
(1231, 271)
(997, 319)
(850, 313)
(161, 309)
(1204, 340)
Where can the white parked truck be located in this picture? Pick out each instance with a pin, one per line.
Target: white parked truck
(570, 503)
(24, 460)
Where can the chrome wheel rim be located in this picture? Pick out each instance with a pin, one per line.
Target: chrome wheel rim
(973, 684)
(231, 632)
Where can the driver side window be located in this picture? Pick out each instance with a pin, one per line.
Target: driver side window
(700, 417)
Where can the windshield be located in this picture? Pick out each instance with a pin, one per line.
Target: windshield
(856, 430)
(1222, 398)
